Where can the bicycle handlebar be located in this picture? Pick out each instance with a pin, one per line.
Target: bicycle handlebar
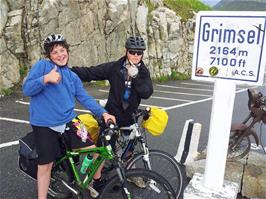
(111, 130)
(256, 99)
(145, 113)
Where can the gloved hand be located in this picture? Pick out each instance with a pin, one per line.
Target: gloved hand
(132, 70)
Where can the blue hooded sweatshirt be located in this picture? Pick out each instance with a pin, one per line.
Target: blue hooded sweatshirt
(53, 104)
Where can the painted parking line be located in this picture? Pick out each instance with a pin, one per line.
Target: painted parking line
(171, 99)
(7, 144)
(185, 88)
(87, 111)
(145, 105)
(195, 84)
(14, 120)
(181, 93)
(168, 108)
(78, 110)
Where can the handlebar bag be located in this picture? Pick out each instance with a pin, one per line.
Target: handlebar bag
(27, 159)
(157, 121)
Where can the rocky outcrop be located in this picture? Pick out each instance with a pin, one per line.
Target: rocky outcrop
(96, 31)
(249, 173)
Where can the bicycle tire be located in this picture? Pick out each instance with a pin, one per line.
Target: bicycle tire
(153, 186)
(163, 164)
(236, 152)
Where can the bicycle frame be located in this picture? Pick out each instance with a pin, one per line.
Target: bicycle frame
(134, 137)
(256, 114)
(104, 153)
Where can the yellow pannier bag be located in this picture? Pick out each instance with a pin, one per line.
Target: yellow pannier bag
(91, 124)
(157, 121)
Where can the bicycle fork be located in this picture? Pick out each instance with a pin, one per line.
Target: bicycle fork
(122, 178)
(146, 154)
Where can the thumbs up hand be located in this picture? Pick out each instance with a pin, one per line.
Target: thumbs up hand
(53, 76)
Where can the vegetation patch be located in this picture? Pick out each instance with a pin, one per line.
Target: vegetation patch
(6, 91)
(185, 8)
(174, 76)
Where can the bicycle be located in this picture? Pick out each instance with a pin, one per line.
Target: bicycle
(240, 143)
(144, 157)
(66, 181)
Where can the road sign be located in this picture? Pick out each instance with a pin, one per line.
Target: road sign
(230, 45)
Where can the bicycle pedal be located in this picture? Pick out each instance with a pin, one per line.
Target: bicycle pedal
(93, 192)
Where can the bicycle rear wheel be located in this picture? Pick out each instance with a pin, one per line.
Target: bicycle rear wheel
(163, 164)
(239, 151)
(153, 186)
(60, 185)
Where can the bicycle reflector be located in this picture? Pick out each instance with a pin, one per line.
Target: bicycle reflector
(157, 121)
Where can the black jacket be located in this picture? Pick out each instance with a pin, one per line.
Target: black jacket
(141, 87)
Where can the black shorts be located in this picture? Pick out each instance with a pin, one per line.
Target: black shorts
(48, 143)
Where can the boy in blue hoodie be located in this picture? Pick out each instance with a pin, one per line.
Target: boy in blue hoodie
(53, 89)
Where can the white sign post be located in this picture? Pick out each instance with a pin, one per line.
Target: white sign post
(229, 49)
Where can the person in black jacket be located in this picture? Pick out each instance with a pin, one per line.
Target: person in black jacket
(129, 80)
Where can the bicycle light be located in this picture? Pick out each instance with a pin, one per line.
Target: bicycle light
(108, 137)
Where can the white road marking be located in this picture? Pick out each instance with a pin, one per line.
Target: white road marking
(168, 108)
(107, 91)
(9, 144)
(179, 93)
(187, 83)
(171, 99)
(195, 102)
(78, 110)
(14, 120)
(195, 89)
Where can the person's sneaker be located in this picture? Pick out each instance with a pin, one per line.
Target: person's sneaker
(99, 184)
(138, 181)
(93, 192)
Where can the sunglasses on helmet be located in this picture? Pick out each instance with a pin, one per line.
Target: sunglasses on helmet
(133, 52)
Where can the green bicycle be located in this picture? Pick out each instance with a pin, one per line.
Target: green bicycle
(68, 182)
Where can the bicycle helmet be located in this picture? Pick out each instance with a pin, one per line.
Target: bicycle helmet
(52, 39)
(135, 43)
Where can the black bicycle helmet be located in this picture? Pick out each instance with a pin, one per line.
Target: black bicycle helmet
(53, 38)
(135, 43)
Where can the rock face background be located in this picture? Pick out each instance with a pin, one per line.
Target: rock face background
(96, 31)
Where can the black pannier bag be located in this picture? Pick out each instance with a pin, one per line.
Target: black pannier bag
(28, 155)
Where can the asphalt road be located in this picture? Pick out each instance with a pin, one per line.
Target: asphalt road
(182, 99)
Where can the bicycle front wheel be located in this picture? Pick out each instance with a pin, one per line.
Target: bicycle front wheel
(239, 151)
(163, 164)
(140, 184)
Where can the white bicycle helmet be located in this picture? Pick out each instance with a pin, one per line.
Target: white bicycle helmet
(52, 39)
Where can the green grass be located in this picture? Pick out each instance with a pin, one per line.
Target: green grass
(6, 91)
(174, 76)
(185, 8)
(98, 83)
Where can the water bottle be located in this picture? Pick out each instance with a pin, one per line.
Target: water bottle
(86, 163)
